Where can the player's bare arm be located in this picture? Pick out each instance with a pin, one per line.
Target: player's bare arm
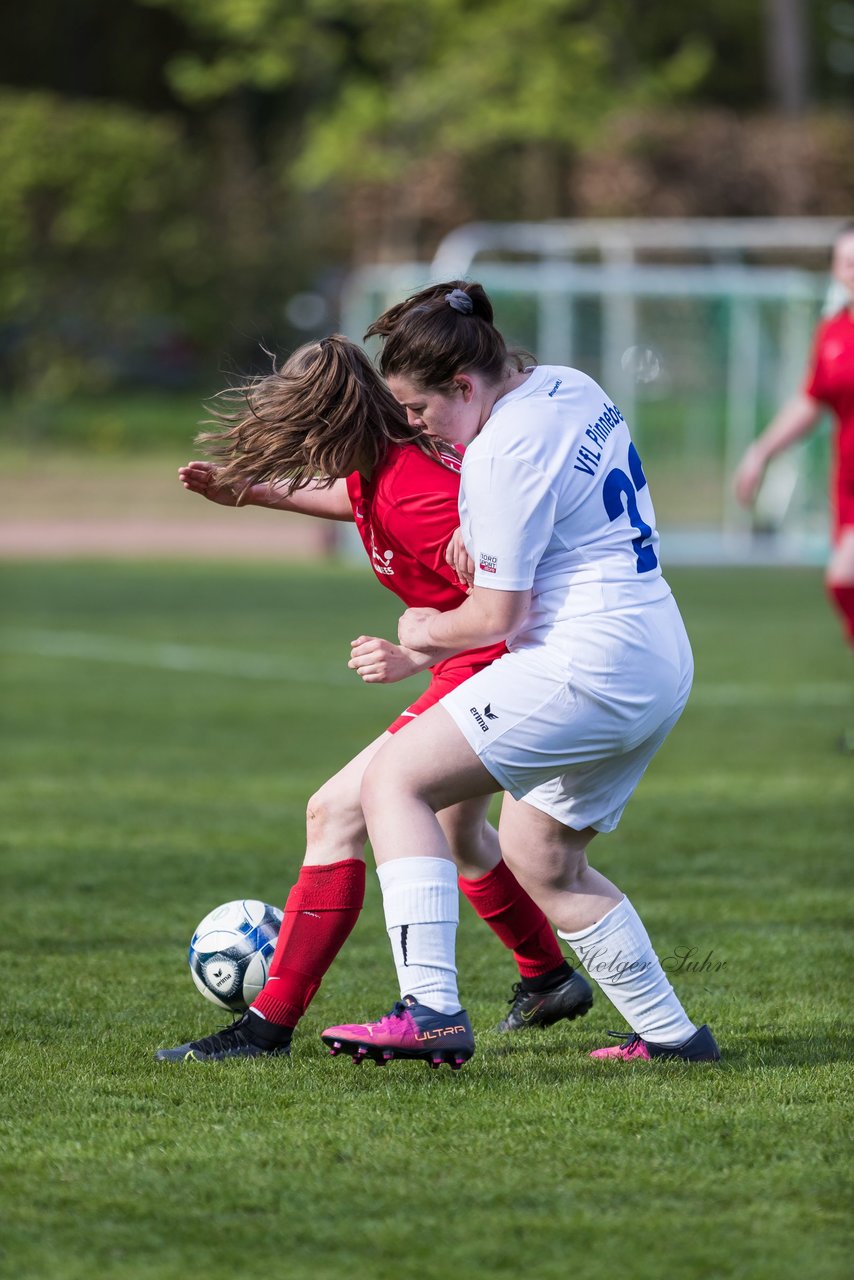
(796, 419)
(327, 502)
(459, 559)
(380, 661)
(485, 618)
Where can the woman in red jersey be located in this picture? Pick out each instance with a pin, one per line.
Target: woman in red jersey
(324, 437)
(829, 384)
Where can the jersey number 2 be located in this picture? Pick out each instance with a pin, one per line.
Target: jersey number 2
(620, 496)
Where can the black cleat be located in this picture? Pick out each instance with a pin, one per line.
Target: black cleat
(571, 1000)
(231, 1042)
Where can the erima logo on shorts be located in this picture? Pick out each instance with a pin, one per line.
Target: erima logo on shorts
(489, 564)
(487, 712)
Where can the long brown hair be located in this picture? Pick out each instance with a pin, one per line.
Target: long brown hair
(441, 331)
(324, 414)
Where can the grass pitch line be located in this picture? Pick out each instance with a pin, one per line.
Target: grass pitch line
(203, 660)
(751, 694)
(167, 656)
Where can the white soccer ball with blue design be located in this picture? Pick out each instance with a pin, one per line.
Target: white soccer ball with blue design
(231, 950)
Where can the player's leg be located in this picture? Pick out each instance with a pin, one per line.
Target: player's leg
(325, 901)
(840, 578)
(472, 839)
(498, 899)
(426, 769)
(548, 989)
(319, 916)
(324, 904)
(520, 745)
(598, 922)
(545, 832)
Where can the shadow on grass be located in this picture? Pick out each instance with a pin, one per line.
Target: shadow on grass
(739, 1052)
(790, 1049)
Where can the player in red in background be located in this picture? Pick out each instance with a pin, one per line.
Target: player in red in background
(328, 414)
(829, 384)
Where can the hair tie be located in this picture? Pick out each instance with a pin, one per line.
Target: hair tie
(460, 301)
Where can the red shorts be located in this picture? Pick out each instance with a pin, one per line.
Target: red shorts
(446, 676)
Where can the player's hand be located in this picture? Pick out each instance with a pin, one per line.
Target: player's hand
(413, 629)
(382, 662)
(460, 560)
(201, 477)
(748, 478)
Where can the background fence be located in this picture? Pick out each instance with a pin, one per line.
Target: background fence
(698, 328)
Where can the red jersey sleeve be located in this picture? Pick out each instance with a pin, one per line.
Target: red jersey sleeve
(354, 489)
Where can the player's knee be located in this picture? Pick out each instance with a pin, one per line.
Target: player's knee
(385, 776)
(559, 868)
(330, 809)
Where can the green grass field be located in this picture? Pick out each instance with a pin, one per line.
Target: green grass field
(163, 728)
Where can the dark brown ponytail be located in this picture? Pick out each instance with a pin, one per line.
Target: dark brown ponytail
(439, 332)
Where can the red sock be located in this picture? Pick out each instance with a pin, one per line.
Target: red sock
(842, 595)
(500, 900)
(320, 912)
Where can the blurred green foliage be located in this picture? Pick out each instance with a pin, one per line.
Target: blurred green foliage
(97, 235)
(390, 81)
(121, 423)
(174, 171)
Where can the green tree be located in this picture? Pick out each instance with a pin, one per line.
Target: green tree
(386, 84)
(96, 229)
(406, 118)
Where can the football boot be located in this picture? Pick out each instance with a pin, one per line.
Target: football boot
(570, 999)
(236, 1041)
(408, 1030)
(700, 1047)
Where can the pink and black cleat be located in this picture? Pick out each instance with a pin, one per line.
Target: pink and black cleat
(700, 1047)
(409, 1030)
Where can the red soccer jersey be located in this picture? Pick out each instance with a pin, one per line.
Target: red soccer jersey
(405, 515)
(831, 380)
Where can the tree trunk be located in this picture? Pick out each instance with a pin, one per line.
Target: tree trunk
(786, 45)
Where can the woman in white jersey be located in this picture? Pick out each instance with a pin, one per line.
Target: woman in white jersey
(557, 517)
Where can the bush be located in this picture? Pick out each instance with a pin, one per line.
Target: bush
(98, 242)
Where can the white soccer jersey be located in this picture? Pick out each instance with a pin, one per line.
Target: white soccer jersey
(554, 498)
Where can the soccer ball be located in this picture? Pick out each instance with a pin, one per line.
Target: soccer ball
(230, 952)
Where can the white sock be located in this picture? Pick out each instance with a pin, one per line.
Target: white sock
(422, 909)
(618, 955)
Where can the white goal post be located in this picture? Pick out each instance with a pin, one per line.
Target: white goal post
(699, 328)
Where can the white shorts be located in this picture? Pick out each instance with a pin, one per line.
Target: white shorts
(571, 726)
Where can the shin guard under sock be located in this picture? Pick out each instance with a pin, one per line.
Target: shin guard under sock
(515, 918)
(320, 913)
(617, 953)
(421, 906)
